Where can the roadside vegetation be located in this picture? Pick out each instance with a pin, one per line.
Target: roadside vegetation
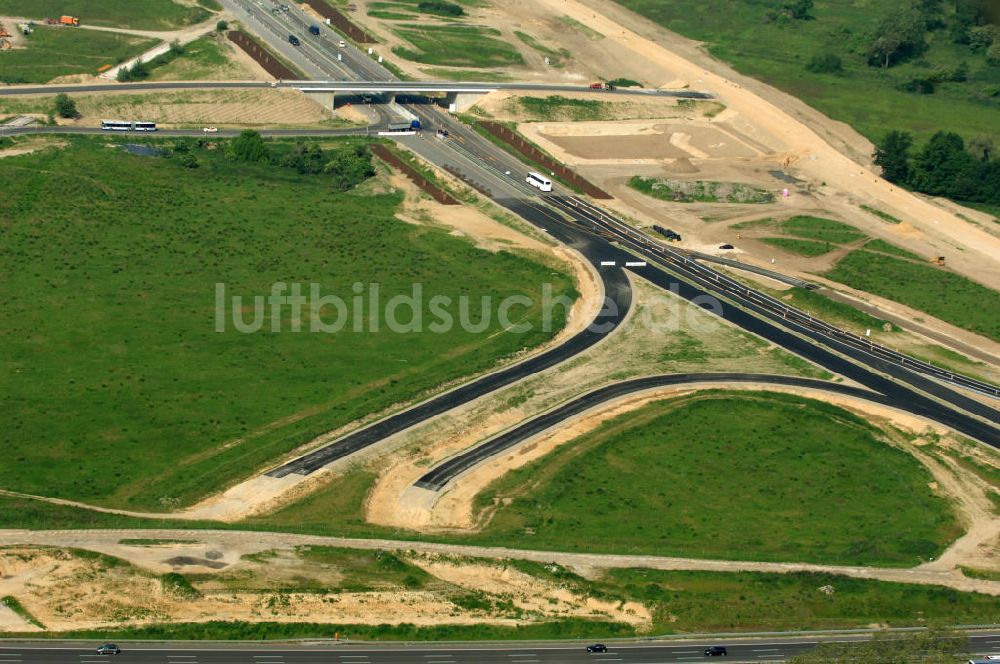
(810, 236)
(116, 387)
(52, 52)
(144, 15)
(456, 46)
(556, 108)
(727, 475)
(701, 191)
(918, 67)
(920, 285)
(704, 602)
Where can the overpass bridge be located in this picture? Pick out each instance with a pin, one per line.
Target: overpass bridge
(460, 93)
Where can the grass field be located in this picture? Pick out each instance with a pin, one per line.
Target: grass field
(923, 286)
(867, 98)
(114, 384)
(807, 248)
(702, 191)
(704, 602)
(144, 15)
(727, 476)
(818, 228)
(886, 248)
(53, 52)
(201, 59)
(564, 108)
(456, 46)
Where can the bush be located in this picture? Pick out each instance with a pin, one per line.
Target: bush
(441, 8)
(136, 72)
(221, 26)
(350, 167)
(825, 63)
(993, 54)
(625, 83)
(248, 146)
(65, 107)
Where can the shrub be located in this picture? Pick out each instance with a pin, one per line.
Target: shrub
(221, 26)
(248, 146)
(825, 63)
(441, 8)
(65, 107)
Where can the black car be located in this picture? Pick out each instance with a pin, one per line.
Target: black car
(293, 40)
(715, 651)
(725, 246)
(314, 29)
(109, 649)
(597, 647)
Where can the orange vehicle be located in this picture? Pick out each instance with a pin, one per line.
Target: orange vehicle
(69, 20)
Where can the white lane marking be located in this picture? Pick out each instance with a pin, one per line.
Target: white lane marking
(766, 649)
(607, 262)
(635, 263)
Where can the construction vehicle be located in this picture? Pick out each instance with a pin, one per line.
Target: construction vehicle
(938, 260)
(63, 20)
(671, 235)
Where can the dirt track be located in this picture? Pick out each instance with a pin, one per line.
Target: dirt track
(107, 541)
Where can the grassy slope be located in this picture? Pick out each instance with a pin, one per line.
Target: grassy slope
(134, 14)
(943, 294)
(456, 46)
(53, 52)
(728, 477)
(864, 97)
(115, 387)
(808, 248)
(202, 59)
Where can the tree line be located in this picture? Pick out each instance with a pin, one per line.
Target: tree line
(347, 166)
(946, 165)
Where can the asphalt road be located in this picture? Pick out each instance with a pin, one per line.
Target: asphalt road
(222, 133)
(740, 650)
(437, 478)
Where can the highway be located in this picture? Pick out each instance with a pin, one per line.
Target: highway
(602, 238)
(769, 649)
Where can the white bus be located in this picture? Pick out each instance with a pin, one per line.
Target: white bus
(540, 181)
(119, 125)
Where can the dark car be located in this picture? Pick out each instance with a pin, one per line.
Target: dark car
(725, 246)
(597, 647)
(109, 649)
(293, 40)
(314, 29)
(715, 651)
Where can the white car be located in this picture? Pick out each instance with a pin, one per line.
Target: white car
(342, 44)
(210, 130)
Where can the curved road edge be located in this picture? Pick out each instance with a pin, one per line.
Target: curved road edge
(440, 476)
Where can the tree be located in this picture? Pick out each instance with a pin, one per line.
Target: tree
(943, 167)
(221, 26)
(65, 107)
(898, 36)
(248, 146)
(993, 54)
(349, 167)
(799, 9)
(982, 147)
(306, 158)
(893, 156)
